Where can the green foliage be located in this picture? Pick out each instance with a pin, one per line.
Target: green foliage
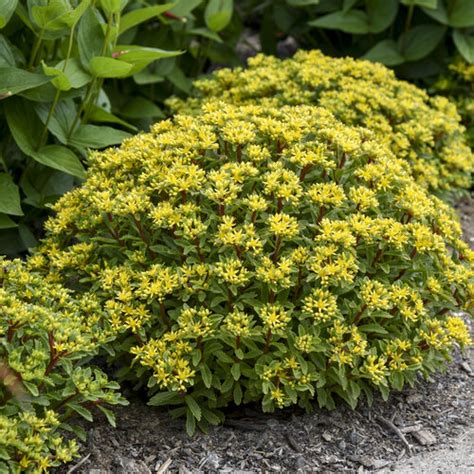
(415, 35)
(81, 75)
(263, 254)
(458, 85)
(47, 338)
(423, 130)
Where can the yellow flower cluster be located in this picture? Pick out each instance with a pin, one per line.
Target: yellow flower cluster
(425, 131)
(258, 253)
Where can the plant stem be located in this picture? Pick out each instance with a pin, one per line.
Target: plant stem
(36, 47)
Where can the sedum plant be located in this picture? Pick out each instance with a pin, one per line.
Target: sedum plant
(423, 130)
(262, 254)
(47, 338)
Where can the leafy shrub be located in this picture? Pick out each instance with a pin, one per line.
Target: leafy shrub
(262, 254)
(80, 75)
(417, 37)
(421, 129)
(458, 85)
(47, 338)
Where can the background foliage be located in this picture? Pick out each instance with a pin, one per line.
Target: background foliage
(83, 75)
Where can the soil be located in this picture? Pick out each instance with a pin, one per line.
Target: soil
(427, 429)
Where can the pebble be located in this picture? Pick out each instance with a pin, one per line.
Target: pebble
(425, 437)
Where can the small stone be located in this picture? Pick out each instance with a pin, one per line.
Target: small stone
(414, 398)
(327, 437)
(466, 367)
(380, 463)
(366, 461)
(425, 437)
(300, 462)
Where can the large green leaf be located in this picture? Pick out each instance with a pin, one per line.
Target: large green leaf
(420, 41)
(51, 17)
(7, 7)
(185, 7)
(95, 136)
(7, 56)
(381, 14)
(218, 14)
(140, 15)
(141, 56)
(461, 13)
(9, 196)
(60, 158)
(90, 37)
(385, 52)
(465, 45)
(6, 222)
(61, 121)
(97, 114)
(353, 21)
(24, 124)
(101, 66)
(139, 107)
(14, 80)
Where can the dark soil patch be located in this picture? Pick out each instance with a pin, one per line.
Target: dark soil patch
(436, 412)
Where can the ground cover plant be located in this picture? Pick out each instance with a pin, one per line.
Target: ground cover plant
(47, 339)
(81, 75)
(253, 254)
(421, 129)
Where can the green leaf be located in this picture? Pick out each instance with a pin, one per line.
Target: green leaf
(381, 14)
(184, 8)
(421, 3)
(96, 136)
(145, 77)
(190, 423)
(218, 14)
(111, 6)
(235, 371)
(61, 120)
(139, 107)
(179, 80)
(206, 33)
(60, 158)
(353, 21)
(461, 13)
(9, 196)
(101, 66)
(140, 15)
(6, 222)
(7, 56)
(109, 414)
(51, 17)
(60, 80)
(24, 124)
(141, 56)
(7, 7)
(14, 80)
(193, 407)
(84, 412)
(439, 13)
(76, 75)
(373, 327)
(465, 45)
(237, 394)
(385, 52)
(420, 41)
(97, 114)
(164, 398)
(206, 376)
(32, 388)
(90, 37)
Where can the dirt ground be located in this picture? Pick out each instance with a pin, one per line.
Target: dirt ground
(428, 429)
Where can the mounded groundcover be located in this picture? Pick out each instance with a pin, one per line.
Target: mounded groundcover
(247, 255)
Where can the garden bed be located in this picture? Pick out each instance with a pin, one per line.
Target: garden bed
(425, 429)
